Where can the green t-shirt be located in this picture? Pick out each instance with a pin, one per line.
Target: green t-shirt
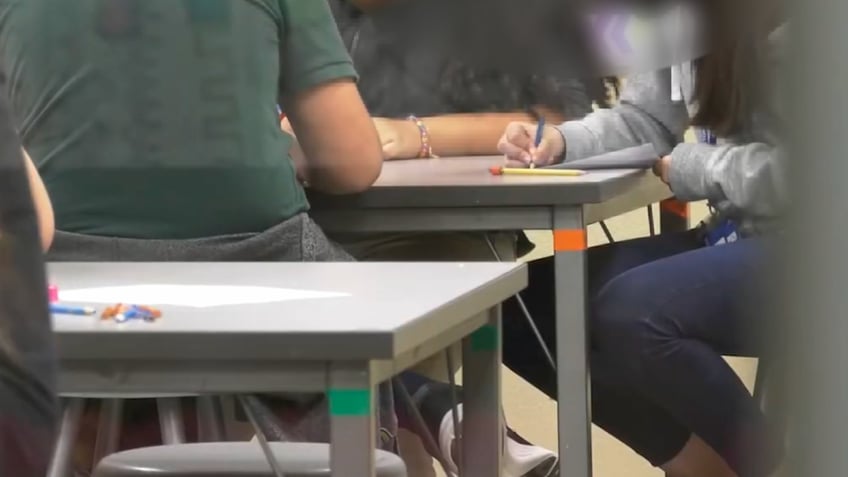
(157, 118)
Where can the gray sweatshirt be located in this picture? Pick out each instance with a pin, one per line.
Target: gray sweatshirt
(742, 175)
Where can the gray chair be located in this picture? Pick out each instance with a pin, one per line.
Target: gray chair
(232, 459)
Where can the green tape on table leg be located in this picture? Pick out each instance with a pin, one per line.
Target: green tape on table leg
(485, 338)
(350, 402)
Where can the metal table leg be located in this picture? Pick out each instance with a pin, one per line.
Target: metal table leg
(352, 424)
(60, 463)
(574, 420)
(108, 428)
(210, 419)
(674, 216)
(482, 429)
(171, 420)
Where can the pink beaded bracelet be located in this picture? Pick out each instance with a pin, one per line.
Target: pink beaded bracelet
(426, 150)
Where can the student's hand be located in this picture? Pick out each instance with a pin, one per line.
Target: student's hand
(400, 138)
(661, 168)
(517, 145)
(296, 154)
(286, 126)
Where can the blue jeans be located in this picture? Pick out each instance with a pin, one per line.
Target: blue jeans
(663, 311)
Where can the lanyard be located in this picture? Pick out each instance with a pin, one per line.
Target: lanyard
(707, 137)
(725, 231)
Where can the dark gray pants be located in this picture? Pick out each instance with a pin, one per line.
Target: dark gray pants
(297, 239)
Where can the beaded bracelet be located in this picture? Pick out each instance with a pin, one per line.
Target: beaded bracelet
(426, 150)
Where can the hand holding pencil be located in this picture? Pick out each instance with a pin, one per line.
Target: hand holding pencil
(526, 144)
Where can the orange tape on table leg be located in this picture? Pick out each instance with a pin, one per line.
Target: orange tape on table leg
(569, 240)
(675, 207)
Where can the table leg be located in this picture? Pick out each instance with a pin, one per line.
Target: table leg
(482, 427)
(352, 423)
(171, 420)
(674, 216)
(574, 420)
(210, 419)
(60, 462)
(108, 428)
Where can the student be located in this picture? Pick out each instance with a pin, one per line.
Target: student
(460, 109)
(664, 309)
(153, 125)
(417, 90)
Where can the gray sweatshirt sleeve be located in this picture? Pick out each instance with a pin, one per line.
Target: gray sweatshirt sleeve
(645, 114)
(749, 176)
(746, 175)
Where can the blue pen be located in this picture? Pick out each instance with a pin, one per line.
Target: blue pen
(71, 310)
(540, 130)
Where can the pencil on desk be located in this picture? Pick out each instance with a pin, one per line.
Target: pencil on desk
(518, 171)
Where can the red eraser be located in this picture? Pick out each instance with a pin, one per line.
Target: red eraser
(496, 170)
(52, 293)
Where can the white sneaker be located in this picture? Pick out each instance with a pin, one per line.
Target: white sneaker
(519, 460)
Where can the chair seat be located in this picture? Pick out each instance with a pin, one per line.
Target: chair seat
(232, 459)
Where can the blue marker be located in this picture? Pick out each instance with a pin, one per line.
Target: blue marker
(71, 310)
(540, 130)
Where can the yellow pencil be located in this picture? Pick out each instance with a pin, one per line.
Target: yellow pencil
(504, 171)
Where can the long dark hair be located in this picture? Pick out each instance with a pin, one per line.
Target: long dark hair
(402, 72)
(729, 80)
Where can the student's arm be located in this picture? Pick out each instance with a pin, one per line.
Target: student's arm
(339, 142)
(645, 113)
(749, 176)
(472, 134)
(41, 201)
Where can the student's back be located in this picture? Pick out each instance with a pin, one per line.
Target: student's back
(156, 119)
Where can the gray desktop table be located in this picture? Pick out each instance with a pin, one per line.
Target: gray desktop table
(459, 194)
(386, 318)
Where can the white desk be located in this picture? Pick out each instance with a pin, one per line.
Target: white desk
(389, 317)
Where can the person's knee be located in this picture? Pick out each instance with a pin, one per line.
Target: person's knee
(626, 320)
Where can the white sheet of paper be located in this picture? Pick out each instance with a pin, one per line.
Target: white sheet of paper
(196, 296)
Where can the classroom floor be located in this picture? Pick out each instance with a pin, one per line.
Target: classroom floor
(534, 415)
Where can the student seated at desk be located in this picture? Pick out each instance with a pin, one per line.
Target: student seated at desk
(153, 125)
(663, 310)
(459, 110)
